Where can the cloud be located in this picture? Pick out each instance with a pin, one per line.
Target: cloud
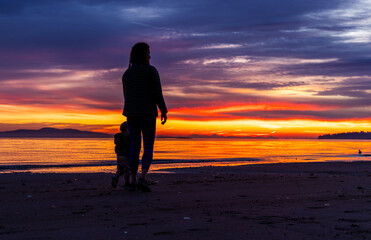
(359, 88)
(323, 115)
(87, 33)
(68, 89)
(208, 53)
(341, 114)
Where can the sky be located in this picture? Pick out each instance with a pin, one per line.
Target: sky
(258, 68)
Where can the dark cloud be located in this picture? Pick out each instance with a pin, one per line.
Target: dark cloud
(96, 35)
(358, 88)
(67, 90)
(100, 33)
(339, 114)
(345, 67)
(328, 115)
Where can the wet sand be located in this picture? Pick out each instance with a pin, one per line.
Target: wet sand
(274, 201)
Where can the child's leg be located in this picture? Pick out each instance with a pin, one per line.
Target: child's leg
(121, 164)
(126, 169)
(115, 178)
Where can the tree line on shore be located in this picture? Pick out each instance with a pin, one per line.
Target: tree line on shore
(347, 135)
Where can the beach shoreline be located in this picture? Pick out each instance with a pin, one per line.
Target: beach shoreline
(323, 200)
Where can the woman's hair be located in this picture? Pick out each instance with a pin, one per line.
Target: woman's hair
(138, 54)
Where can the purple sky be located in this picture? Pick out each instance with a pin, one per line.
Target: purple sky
(208, 53)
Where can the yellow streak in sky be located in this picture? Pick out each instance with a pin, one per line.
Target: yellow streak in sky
(109, 120)
(285, 128)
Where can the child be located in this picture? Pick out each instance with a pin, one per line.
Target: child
(122, 149)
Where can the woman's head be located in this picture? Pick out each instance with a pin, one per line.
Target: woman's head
(140, 54)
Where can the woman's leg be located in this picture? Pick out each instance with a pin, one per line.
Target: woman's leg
(149, 133)
(134, 127)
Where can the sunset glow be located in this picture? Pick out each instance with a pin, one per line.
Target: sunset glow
(298, 72)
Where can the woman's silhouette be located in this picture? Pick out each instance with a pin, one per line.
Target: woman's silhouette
(142, 93)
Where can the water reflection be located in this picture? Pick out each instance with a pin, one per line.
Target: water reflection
(97, 155)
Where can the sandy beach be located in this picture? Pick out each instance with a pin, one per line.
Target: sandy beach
(274, 201)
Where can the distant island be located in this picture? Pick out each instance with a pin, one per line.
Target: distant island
(52, 133)
(348, 135)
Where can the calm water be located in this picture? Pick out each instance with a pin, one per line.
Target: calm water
(97, 155)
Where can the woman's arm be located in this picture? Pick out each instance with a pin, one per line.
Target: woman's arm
(159, 97)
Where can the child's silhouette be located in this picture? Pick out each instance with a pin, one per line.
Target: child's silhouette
(122, 149)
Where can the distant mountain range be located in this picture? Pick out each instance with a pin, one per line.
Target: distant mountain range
(348, 135)
(52, 133)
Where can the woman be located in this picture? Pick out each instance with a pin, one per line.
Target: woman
(142, 93)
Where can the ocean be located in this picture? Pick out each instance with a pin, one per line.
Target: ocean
(97, 155)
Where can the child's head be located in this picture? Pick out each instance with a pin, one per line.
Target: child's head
(124, 127)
